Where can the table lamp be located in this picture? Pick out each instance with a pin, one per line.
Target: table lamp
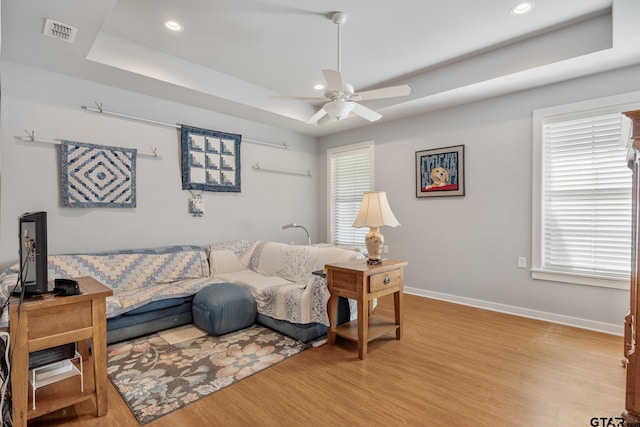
(374, 213)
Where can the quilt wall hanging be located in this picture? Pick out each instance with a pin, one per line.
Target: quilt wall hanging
(210, 160)
(97, 176)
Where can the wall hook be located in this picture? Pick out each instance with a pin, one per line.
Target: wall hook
(32, 135)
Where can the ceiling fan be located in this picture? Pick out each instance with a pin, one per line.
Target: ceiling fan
(341, 96)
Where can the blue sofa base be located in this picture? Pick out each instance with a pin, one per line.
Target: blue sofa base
(170, 313)
(308, 331)
(149, 320)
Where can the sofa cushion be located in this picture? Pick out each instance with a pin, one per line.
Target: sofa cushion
(267, 257)
(229, 256)
(253, 280)
(225, 261)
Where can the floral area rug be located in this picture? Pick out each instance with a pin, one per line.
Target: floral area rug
(156, 378)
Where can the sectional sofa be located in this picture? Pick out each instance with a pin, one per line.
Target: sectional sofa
(153, 288)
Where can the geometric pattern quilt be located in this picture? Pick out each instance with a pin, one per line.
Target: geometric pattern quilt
(137, 276)
(210, 160)
(97, 176)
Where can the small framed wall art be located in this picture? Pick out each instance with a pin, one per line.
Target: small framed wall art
(210, 160)
(440, 172)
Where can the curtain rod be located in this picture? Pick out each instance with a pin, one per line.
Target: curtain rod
(100, 110)
(257, 167)
(32, 138)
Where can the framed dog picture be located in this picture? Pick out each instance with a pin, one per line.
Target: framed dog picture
(440, 172)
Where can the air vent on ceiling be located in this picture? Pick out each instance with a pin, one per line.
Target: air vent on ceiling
(58, 30)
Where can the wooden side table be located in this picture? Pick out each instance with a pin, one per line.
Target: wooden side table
(364, 283)
(50, 321)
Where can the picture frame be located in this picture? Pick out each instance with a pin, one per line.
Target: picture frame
(210, 160)
(440, 172)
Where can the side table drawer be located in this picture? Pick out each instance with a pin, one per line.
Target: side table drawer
(58, 320)
(386, 280)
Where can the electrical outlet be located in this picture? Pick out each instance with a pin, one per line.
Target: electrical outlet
(385, 249)
(522, 262)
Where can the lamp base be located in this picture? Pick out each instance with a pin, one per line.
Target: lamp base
(374, 240)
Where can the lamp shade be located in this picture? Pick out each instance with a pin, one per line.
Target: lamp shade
(375, 211)
(338, 108)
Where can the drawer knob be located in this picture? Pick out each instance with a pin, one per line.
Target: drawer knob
(386, 280)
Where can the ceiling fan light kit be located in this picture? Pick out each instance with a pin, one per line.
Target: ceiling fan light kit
(338, 109)
(342, 97)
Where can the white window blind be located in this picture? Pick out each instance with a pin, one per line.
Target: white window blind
(586, 198)
(350, 175)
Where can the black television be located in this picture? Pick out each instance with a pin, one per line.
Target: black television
(33, 253)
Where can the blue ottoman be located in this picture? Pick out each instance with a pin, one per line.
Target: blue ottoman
(222, 308)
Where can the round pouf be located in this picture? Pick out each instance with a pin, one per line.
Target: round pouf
(222, 308)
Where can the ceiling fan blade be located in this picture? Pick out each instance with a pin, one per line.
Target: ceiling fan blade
(385, 92)
(334, 80)
(313, 120)
(301, 98)
(365, 112)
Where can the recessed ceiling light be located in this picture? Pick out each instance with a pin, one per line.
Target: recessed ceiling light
(173, 25)
(522, 8)
(318, 86)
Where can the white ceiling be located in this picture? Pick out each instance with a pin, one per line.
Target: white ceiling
(232, 55)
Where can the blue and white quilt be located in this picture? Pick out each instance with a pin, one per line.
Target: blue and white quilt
(137, 277)
(95, 176)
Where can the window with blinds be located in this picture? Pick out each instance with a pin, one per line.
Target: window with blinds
(586, 198)
(350, 175)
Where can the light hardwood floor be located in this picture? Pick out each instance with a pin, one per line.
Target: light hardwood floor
(456, 366)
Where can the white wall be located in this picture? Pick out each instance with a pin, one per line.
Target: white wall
(465, 249)
(49, 104)
(462, 249)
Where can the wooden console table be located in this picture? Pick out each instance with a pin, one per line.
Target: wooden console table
(364, 283)
(49, 321)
